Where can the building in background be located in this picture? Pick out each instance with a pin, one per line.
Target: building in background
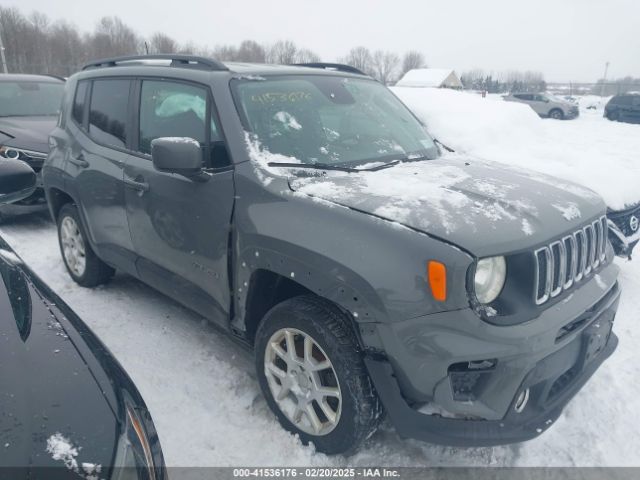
(430, 77)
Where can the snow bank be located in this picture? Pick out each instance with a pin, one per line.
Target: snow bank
(590, 150)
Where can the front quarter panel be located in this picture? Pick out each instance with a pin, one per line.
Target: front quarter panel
(373, 268)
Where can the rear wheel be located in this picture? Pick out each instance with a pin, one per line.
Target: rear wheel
(313, 376)
(556, 114)
(82, 263)
(613, 115)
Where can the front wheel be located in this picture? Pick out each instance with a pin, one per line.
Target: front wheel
(313, 376)
(82, 263)
(556, 114)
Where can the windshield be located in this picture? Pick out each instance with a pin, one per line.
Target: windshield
(30, 98)
(330, 120)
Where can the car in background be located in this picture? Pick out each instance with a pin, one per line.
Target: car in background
(624, 229)
(67, 407)
(624, 108)
(546, 105)
(29, 108)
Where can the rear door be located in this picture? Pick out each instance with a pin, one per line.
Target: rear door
(180, 228)
(95, 165)
(540, 104)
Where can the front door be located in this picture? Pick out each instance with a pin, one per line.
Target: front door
(180, 227)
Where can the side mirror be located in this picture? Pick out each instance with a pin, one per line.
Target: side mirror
(181, 155)
(17, 180)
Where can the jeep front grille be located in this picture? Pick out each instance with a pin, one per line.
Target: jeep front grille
(567, 261)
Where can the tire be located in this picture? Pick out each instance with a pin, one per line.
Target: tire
(556, 114)
(87, 270)
(613, 115)
(357, 412)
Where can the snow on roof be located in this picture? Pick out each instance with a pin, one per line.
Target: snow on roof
(425, 77)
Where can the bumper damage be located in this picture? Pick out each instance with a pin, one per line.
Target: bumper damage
(548, 384)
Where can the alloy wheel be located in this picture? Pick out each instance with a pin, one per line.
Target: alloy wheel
(73, 247)
(303, 381)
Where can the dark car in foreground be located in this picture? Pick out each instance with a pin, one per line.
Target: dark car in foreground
(29, 107)
(623, 108)
(307, 212)
(67, 408)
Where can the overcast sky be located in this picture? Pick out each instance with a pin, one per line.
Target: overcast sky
(568, 40)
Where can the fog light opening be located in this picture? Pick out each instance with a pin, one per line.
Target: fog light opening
(522, 400)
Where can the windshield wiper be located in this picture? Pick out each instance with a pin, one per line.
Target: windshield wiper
(328, 166)
(448, 149)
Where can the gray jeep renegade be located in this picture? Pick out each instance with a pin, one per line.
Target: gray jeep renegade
(306, 211)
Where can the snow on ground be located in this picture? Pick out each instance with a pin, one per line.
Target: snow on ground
(202, 393)
(590, 150)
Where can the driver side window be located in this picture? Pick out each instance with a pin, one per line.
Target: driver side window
(171, 109)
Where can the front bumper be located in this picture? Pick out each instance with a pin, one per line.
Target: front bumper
(572, 113)
(553, 373)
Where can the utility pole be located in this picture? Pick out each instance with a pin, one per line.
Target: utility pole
(604, 78)
(2, 57)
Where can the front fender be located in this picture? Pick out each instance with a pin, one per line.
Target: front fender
(373, 268)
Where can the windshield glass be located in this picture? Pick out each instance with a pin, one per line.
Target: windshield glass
(30, 98)
(330, 120)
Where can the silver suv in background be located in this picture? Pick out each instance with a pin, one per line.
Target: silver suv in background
(546, 105)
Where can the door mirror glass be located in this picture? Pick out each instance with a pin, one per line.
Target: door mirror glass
(181, 155)
(17, 180)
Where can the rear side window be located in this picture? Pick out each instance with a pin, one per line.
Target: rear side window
(77, 113)
(108, 112)
(622, 100)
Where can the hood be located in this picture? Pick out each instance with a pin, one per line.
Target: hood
(483, 207)
(50, 400)
(30, 133)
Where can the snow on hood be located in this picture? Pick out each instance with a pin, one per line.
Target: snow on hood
(590, 150)
(480, 206)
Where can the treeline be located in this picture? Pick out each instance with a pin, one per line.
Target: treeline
(615, 87)
(511, 81)
(36, 44)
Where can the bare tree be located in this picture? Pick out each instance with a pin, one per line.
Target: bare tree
(361, 58)
(304, 55)
(385, 66)
(113, 37)
(66, 48)
(162, 43)
(227, 53)
(412, 59)
(282, 52)
(251, 51)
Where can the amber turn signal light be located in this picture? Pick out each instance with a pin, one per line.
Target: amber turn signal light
(438, 280)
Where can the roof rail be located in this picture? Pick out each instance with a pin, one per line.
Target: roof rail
(331, 66)
(177, 60)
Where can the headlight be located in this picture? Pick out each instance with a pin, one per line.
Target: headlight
(134, 459)
(489, 279)
(9, 152)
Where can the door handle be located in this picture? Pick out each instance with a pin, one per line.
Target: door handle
(140, 186)
(79, 161)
